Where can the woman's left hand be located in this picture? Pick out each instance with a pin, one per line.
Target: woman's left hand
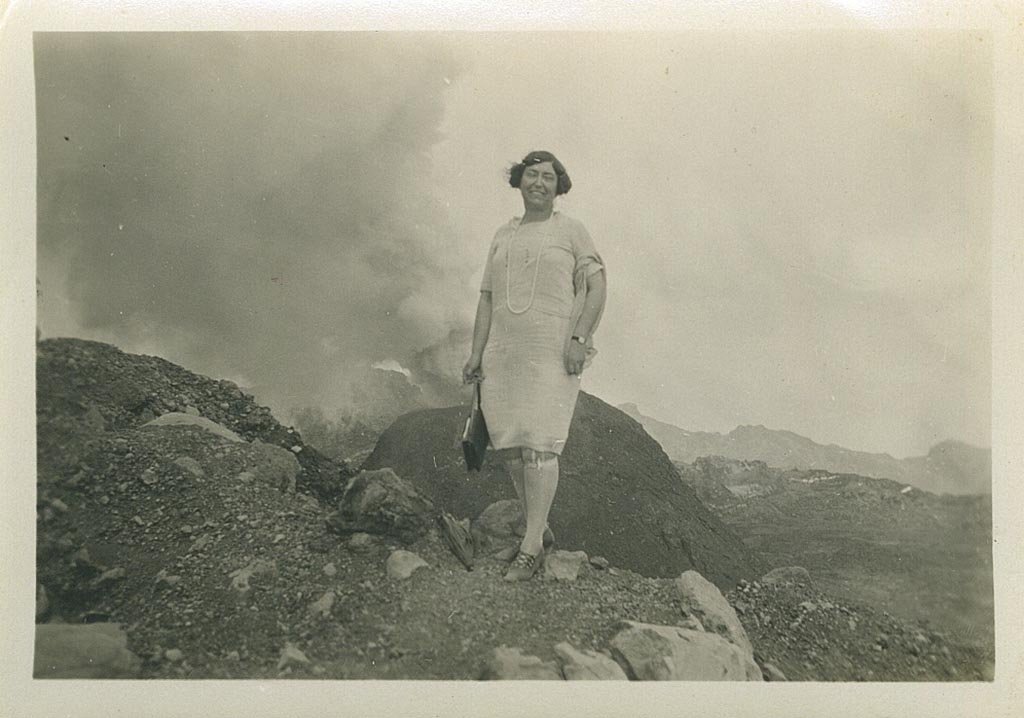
(574, 357)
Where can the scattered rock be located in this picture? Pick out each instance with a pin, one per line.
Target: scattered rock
(588, 665)
(330, 569)
(771, 673)
(701, 598)
(164, 578)
(401, 564)
(671, 653)
(599, 562)
(174, 655)
(96, 650)
(83, 561)
(511, 664)
(322, 607)
(93, 419)
(113, 574)
(361, 541)
(241, 577)
(190, 465)
(174, 418)
(291, 656)
(59, 505)
(378, 502)
(200, 543)
(787, 574)
(564, 565)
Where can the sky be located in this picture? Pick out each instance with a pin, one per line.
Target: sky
(796, 225)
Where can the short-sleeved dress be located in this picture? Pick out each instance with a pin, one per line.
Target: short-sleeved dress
(527, 396)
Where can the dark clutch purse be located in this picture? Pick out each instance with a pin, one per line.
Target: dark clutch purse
(475, 437)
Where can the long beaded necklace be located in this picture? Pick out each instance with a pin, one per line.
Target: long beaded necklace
(508, 273)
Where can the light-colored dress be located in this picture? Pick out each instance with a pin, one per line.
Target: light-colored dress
(527, 396)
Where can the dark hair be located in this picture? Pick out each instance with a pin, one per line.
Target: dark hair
(515, 175)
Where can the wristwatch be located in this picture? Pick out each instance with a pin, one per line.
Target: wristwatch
(581, 340)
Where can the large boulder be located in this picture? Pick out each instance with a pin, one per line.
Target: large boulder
(619, 496)
(96, 650)
(787, 574)
(672, 653)
(588, 665)
(511, 664)
(379, 502)
(700, 598)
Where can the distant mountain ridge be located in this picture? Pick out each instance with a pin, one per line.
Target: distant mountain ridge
(950, 467)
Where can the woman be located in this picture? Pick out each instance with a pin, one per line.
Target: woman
(541, 299)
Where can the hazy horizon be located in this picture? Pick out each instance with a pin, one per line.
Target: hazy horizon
(796, 225)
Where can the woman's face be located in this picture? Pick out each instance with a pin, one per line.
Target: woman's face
(538, 186)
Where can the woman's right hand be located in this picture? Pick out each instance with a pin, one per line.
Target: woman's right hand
(472, 373)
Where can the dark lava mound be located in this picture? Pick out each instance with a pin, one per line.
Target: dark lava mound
(619, 495)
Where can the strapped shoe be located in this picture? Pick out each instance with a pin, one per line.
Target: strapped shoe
(524, 566)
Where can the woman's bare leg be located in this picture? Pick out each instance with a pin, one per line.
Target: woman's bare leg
(540, 481)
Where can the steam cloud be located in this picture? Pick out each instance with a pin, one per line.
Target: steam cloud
(250, 205)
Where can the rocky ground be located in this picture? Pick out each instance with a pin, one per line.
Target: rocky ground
(914, 554)
(225, 556)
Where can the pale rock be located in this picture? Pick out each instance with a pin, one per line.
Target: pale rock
(246, 476)
(240, 579)
(330, 569)
(360, 541)
(401, 564)
(322, 607)
(771, 673)
(291, 656)
(200, 543)
(274, 466)
(495, 527)
(190, 465)
(511, 664)
(168, 580)
(114, 574)
(93, 419)
(564, 565)
(787, 574)
(95, 650)
(599, 562)
(174, 655)
(191, 410)
(671, 653)
(701, 598)
(59, 505)
(587, 665)
(174, 418)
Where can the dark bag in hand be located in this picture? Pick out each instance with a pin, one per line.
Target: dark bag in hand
(475, 437)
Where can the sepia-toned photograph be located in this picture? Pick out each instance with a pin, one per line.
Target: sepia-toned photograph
(644, 356)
